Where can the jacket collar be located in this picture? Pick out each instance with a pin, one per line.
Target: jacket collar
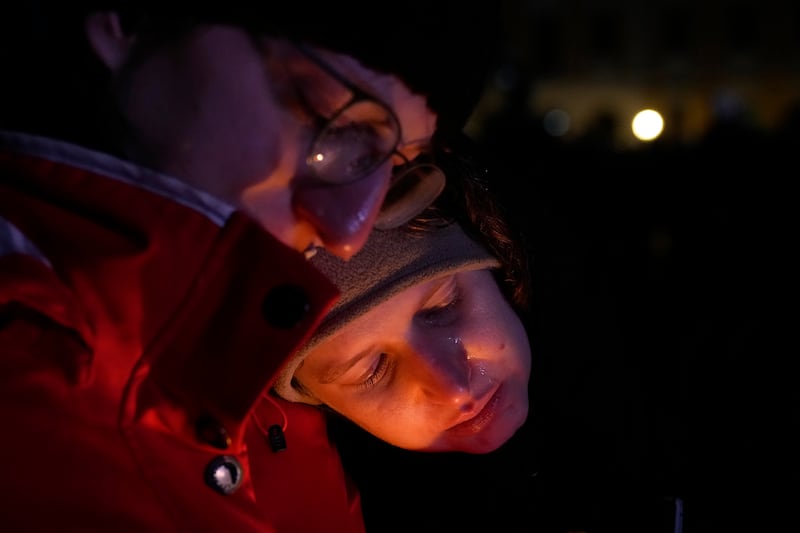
(107, 165)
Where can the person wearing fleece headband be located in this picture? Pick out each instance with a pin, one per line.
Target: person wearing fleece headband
(425, 349)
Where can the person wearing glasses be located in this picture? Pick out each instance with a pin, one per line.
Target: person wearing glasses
(164, 169)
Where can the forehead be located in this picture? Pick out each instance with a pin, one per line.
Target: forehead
(388, 319)
(417, 120)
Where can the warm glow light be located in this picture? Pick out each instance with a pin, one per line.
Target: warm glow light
(647, 125)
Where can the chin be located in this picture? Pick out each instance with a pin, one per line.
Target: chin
(478, 447)
(489, 443)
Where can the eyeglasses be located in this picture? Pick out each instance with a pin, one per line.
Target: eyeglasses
(360, 137)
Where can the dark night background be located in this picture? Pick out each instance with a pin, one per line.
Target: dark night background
(663, 293)
(662, 369)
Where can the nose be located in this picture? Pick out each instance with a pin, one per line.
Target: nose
(445, 376)
(343, 214)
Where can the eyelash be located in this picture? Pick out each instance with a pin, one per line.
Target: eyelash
(429, 315)
(439, 314)
(376, 375)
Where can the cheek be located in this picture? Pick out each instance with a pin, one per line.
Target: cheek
(518, 347)
(502, 342)
(235, 103)
(267, 150)
(245, 118)
(397, 421)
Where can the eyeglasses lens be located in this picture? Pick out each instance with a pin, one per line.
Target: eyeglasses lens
(354, 143)
(412, 190)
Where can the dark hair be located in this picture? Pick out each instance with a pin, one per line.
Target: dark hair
(53, 84)
(468, 199)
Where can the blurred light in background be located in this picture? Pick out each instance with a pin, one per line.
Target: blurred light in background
(556, 122)
(580, 71)
(647, 125)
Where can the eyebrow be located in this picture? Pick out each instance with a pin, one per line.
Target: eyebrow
(331, 373)
(439, 288)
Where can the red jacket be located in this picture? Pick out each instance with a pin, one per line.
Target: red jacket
(141, 324)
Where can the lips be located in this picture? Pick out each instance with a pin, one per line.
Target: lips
(478, 422)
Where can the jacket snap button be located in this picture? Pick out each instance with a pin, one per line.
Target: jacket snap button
(224, 474)
(285, 306)
(210, 431)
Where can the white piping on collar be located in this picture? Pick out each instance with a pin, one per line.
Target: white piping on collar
(13, 241)
(118, 169)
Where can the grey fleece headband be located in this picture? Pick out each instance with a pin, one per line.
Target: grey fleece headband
(389, 263)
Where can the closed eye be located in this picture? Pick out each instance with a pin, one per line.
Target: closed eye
(376, 374)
